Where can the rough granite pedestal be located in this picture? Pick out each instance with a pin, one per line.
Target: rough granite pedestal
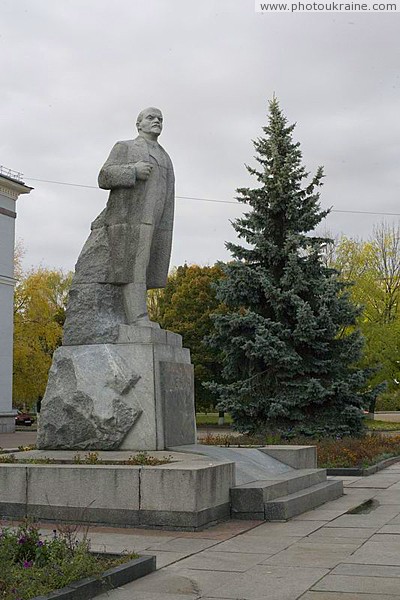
(134, 393)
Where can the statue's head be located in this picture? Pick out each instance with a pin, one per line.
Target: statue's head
(150, 122)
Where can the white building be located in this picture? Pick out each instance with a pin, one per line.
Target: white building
(11, 186)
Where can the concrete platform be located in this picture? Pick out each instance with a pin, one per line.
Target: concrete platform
(324, 554)
(199, 486)
(271, 489)
(189, 493)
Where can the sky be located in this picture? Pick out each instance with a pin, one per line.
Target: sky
(75, 74)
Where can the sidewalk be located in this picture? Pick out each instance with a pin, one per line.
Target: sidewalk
(27, 437)
(325, 554)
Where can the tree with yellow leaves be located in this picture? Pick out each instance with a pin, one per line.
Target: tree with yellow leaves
(39, 313)
(373, 268)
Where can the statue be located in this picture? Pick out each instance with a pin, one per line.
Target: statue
(119, 381)
(129, 248)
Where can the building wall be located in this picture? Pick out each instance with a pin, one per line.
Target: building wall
(6, 350)
(7, 237)
(9, 192)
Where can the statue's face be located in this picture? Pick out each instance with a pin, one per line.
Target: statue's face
(152, 121)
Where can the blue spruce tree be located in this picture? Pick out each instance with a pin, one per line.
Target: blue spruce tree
(288, 336)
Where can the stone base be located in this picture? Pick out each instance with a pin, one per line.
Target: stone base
(7, 422)
(136, 394)
(189, 493)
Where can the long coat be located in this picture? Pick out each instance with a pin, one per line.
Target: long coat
(109, 254)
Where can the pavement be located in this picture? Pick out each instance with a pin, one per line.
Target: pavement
(330, 553)
(324, 554)
(25, 437)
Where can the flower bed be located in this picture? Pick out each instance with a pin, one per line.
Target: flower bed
(31, 566)
(353, 452)
(332, 453)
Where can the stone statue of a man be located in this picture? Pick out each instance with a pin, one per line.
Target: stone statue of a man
(129, 248)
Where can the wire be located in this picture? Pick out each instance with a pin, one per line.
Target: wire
(337, 210)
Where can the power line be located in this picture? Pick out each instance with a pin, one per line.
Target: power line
(337, 210)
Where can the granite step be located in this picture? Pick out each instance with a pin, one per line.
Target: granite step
(274, 499)
(295, 504)
(251, 497)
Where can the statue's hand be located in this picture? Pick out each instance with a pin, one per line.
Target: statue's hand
(143, 170)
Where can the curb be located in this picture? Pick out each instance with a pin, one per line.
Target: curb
(84, 589)
(363, 472)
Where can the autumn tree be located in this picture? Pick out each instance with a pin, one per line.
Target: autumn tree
(373, 268)
(184, 306)
(289, 354)
(39, 314)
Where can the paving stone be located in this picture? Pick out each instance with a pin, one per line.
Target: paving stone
(222, 561)
(344, 596)
(345, 478)
(378, 517)
(312, 555)
(367, 570)
(274, 583)
(361, 585)
(362, 533)
(254, 544)
(335, 541)
(385, 538)
(289, 528)
(372, 553)
(120, 542)
(352, 497)
(127, 593)
(395, 520)
(390, 528)
(188, 545)
(389, 496)
(163, 559)
(320, 515)
(376, 481)
(175, 581)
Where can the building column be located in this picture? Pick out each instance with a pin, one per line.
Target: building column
(11, 186)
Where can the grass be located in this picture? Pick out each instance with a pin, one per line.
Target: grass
(211, 419)
(31, 566)
(381, 425)
(203, 419)
(91, 458)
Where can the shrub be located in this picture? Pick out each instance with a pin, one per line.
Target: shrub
(331, 452)
(30, 566)
(388, 401)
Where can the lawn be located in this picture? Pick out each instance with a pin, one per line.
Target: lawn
(204, 419)
(382, 425)
(211, 419)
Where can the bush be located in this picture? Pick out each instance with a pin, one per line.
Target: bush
(30, 566)
(351, 452)
(331, 452)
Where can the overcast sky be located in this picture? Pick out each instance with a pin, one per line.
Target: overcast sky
(75, 73)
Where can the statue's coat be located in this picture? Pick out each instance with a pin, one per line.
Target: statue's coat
(109, 254)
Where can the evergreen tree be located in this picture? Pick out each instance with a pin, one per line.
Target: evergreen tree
(288, 338)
